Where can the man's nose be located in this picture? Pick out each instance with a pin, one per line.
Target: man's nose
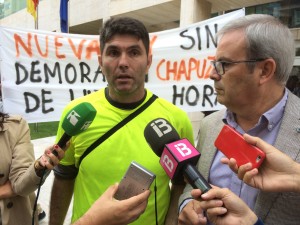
(123, 62)
(214, 75)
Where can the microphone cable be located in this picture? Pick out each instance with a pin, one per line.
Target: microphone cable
(43, 172)
(155, 202)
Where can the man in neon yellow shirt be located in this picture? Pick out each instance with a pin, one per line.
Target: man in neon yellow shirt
(125, 60)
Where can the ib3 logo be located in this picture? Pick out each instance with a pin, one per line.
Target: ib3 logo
(161, 127)
(183, 149)
(174, 153)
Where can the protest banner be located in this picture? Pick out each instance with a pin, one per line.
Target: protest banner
(42, 71)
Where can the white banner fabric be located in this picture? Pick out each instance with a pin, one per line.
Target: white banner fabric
(42, 71)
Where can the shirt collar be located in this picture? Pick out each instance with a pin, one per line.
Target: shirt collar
(270, 117)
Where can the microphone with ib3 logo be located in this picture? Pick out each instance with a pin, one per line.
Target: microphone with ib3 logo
(178, 157)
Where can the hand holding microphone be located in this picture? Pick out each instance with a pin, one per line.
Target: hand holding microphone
(48, 160)
(77, 120)
(177, 156)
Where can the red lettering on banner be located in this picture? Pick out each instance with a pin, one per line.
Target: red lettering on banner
(45, 55)
(152, 41)
(183, 70)
(85, 48)
(78, 52)
(92, 47)
(19, 41)
(158, 73)
(57, 45)
(193, 65)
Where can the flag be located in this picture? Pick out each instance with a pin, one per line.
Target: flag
(64, 24)
(32, 7)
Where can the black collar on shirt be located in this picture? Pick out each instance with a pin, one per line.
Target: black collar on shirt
(119, 105)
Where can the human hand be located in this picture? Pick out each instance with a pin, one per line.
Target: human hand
(49, 159)
(192, 214)
(6, 190)
(225, 208)
(108, 211)
(276, 173)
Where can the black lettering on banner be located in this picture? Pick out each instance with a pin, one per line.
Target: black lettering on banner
(197, 40)
(67, 69)
(19, 67)
(207, 92)
(34, 71)
(55, 71)
(37, 102)
(27, 96)
(177, 95)
(182, 34)
(83, 66)
(44, 101)
(187, 97)
(212, 37)
(71, 92)
(97, 72)
(35, 75)
(191, 95)
(84, 93)
(198, 29)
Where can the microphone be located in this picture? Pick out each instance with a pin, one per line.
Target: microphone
(76, 121)
(178, 157)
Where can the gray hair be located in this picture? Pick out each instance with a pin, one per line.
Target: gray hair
(266, 37)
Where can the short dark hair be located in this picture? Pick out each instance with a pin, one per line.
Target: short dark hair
(124, 25)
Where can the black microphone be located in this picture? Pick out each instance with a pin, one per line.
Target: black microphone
(178, 157)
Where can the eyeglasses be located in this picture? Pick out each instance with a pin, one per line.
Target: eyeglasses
(219, 66)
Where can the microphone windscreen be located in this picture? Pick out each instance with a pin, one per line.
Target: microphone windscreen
(158, 133)
(79, 118)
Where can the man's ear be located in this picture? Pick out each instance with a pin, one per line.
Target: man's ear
(149, 61)
(268, 67)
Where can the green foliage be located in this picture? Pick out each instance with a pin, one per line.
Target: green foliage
(41, 130)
